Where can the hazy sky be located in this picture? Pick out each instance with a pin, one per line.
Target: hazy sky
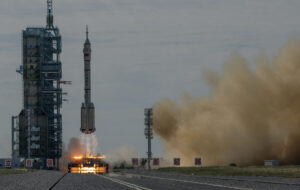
(142, 51)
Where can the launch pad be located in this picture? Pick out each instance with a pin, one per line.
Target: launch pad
(88, 164)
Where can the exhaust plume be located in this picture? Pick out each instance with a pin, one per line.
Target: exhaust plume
(89, 143)
(252, 115)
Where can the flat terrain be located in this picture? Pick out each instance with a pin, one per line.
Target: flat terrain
(87, 182)
(278, 171)
(141, 180)
(14, 171)
(163, 180)
(38, 180)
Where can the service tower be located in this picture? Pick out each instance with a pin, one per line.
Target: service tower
(37, 130)
(87, 108)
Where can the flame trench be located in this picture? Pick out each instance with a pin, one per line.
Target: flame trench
(252, 115)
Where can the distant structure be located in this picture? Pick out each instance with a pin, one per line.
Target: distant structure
(37, 130)
(87, 108)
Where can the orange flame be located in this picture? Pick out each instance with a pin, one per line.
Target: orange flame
(95, 157)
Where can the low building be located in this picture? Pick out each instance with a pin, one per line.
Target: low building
(271, 163)
(10, 163)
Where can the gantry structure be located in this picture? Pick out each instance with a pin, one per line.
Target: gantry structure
(37, 130)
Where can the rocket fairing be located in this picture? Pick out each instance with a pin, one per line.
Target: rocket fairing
(87, 107)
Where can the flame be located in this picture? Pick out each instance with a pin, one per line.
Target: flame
(85, 170)
(97, 157)
(93, 157)
(77, 157)
(81, 160)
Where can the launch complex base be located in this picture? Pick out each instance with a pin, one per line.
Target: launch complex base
(89, 164)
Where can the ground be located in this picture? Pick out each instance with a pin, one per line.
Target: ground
(278, 171)
(142, 180)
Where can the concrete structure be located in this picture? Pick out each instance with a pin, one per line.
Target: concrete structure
(37, 130)
(87, 108)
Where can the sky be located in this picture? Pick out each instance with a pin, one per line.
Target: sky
(142, 51)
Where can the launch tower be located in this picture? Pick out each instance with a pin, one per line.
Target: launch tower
(37, 130)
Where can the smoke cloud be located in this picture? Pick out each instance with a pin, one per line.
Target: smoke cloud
(75, 148)
(252, 115)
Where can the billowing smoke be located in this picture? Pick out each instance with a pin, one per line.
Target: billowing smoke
(75, 147)
(252, 115)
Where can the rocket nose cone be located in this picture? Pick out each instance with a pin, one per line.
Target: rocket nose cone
(87, 42)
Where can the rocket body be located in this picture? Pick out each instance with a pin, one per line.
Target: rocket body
(87, 107)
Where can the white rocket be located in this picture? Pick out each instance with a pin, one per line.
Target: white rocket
(87, 108)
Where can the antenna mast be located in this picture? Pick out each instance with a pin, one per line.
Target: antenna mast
(49, 14)
(87, 32)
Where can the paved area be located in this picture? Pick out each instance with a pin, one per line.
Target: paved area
(141, 180)
(86, 181)
(209, 182)
(33, 180)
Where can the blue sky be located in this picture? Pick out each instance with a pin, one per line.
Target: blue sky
(142, 51)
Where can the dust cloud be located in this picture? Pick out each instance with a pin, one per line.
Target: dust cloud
(252, 115)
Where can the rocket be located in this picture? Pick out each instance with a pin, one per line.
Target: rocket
(87, 107)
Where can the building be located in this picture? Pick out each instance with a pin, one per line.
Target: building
(271, 163)
(37, 130)
(10, 163)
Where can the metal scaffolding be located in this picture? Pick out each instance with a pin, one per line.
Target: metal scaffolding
(40, 129)
(51, 92)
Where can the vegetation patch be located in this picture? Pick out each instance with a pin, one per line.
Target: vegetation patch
(266, 171)
(14, 171)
